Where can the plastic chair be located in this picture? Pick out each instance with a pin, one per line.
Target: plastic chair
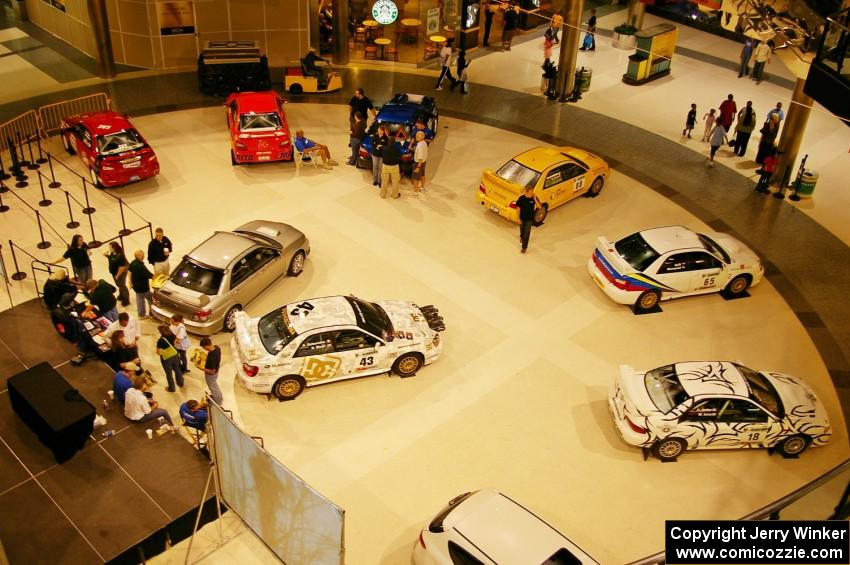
(298, 157)
(431, 49)
(391, 53)
(370, 52)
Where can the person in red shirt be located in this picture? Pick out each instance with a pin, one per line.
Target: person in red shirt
(728, 111)
(767, 168)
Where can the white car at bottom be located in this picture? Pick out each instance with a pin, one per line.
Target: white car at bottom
(488, 528)
(670, 262)
(716, 405)
(322, 340)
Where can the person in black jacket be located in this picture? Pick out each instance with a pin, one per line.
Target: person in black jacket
(390, 173)
(58, 290)
(379, 140)
(528, 205)
(140, 280)
(101, 295)
(158, 251)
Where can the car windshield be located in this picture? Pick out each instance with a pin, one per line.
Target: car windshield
(371, 317)
(196, 277)
(276, 331)
(761, 390)
(664, 388)
(127, 140)
(252, 122)
(636, 251)
(518, 174)
(392, 129)
(714, 248)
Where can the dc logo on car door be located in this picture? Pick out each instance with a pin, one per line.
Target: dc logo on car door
(320, 368)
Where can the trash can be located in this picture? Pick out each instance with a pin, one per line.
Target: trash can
(807, 184)
(583, 77)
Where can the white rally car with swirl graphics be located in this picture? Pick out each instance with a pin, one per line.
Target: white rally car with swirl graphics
(322, 340)
(716, 405)
(669, 262)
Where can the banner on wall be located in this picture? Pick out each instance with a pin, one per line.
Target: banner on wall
(176, 18)
(432, 27)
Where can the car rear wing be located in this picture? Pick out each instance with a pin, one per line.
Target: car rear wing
(432, 316)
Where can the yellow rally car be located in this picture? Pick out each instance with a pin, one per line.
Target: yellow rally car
(558, 174)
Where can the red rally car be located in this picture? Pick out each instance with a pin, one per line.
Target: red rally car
(109, 145)
(258, 129)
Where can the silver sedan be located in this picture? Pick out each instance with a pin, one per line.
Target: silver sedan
(227, 271)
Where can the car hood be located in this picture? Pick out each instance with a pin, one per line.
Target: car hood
(407, 317)
(247, 336)
(800, 402)
(738, 252)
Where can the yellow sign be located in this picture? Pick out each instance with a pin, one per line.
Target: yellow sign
(176, 18)
(321, 368)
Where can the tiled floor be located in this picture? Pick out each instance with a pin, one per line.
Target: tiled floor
(378, 248)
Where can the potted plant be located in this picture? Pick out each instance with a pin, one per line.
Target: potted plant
(624, 36)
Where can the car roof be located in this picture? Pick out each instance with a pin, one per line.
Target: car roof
(712, 378)
(541, 158)
(329, 311)
(220, 248)
(103, 123)
(256, 101)
(671, 238)
(272, 233)
(507, 532)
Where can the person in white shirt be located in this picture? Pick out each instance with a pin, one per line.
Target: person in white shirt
(129, 326)
(446, 65)
(420, 155)
(182, 343)
(761, 57)
(137, 407)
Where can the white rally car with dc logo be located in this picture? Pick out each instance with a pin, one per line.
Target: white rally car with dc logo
(322, 340)
(670, 262)
(716, 405)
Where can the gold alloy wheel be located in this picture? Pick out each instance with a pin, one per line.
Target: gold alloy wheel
(409, 365)
(648, 300)
(670, 449)
(289, 388)
(297, 264)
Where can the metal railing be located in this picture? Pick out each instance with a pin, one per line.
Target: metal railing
(772, 510)
(50, 116)
(23, 127)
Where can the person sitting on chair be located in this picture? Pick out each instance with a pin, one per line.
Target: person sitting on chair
(309, 149)
(58, 290)
(194, 414)
(139, 408)
(121, 383)
(316, 66)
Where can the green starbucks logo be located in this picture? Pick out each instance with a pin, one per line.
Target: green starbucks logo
(385, 12)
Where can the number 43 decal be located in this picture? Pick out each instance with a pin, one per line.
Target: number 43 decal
(367, 361)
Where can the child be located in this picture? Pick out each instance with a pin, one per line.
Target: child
(690, 121)
(766, 171)
(548, 42)
(709, 124)
(716, 140)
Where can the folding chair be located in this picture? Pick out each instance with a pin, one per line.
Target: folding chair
(298, 157)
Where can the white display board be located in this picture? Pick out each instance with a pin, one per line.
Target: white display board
(298, 524)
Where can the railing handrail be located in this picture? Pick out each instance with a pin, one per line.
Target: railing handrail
(834, 18)
(771, 508)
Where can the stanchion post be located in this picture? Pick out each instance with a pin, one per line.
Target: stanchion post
(3, 207)
(33, 165)
(41, 160)
(44, 202)
(94, 243)
(88, 209)
(53, 182)
(18, 275)
(72, 223)
(23, 159)
(43, 244)
(3, 187)
(796, 196)
(124, 231)
(3, 174)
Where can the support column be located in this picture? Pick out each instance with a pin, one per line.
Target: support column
(340, 23)
(792, 134)
(635, 14)
(571, 9)
(314, 25)
(99, 21)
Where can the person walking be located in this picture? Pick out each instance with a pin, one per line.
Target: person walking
(744, 128)
(140, 280)
(360, 103)
(768, 131)
(509, 25)
(169, 357)
(590, 33)
(690, 121)
(761, 56)
(379, 140)
(728, 110)
(159, 249)
(555, 25)
(460, 65)
(118, 266)
(182, 343)
(211, 367)
(445, 66)
(101, 295)
(778, 111)
(420, 156)
(527, 204)
(746, 53)
(715, 140)
(390, 174)
(357, 133)
(79, 255)
(709, 120)
(490, 7)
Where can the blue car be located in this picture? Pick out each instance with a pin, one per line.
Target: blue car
(399, 115)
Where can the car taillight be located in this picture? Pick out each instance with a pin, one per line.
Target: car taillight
(635, 428)
(241, 146)
(250, 370)
(622, 284)
(422, 539)
(482, 189)
(202, 315)
(151, 157)
(512, 205)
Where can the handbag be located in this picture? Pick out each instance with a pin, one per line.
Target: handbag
(168, 352)
(199, 357)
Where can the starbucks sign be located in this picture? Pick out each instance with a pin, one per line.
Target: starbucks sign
(384, 11)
